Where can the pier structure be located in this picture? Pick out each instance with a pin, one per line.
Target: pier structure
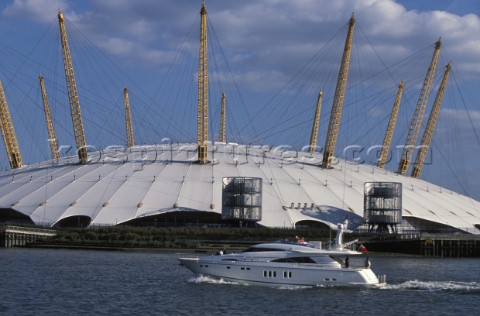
(14, 236)
(428, 245)
(450, 245)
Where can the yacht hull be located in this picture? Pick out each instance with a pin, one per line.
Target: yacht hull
(279, 274)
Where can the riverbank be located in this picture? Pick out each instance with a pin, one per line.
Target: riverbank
(199, 250)
(230, 239)
(188, 239)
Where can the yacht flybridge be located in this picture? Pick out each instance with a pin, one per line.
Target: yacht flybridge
(288, 263)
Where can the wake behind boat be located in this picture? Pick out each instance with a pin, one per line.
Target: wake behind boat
(287, 263)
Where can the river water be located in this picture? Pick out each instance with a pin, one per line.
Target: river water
(81, 282)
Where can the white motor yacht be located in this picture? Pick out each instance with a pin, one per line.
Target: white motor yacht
(289, 263)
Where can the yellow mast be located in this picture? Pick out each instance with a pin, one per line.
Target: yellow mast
(316, 121)
(223, 118)
(430, 128)
(128, 120)
(202, 121)
(52, 139)
(8, 132)
(390, 128)
(72, 93)
(335, 115)
(419, 112)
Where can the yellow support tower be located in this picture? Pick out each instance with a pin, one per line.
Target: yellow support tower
(430, 128)
(72, 93)
(313, 137)
(128, 120)
(202, 122)
(223, 120)
(382, 160)
(419, 112)
(335, 115)
(52, 139)
(8, 133)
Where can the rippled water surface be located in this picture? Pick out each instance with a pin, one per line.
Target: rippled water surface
(77, 282)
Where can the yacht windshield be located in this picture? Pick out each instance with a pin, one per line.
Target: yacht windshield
(258, 249)
(295, 260)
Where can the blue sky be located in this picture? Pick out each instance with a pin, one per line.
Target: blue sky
(264, 48)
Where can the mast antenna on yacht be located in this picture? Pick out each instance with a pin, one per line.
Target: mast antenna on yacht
(342, 227)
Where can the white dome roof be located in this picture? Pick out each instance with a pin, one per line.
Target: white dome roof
(118, 186)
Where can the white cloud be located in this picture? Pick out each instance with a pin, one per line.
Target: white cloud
(156, 57)
(271, 80)
(462, 115)
(394, 31)
(273, 36)
(38, 10)
(117, 46)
